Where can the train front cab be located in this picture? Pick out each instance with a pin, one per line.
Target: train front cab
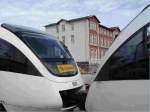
(122, 82)
(33, 70)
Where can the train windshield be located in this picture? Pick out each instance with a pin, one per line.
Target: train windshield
(53, 53)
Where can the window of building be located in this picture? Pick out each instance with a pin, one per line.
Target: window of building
(112, 34)
(72, 39)
(95, 39)
(109, 33)
(92, 25)
(12, 60)
(63, 27)
(95, 53)
(108, 43)
(100, 30)
(101, 43)
(57, 29)
(106, 32)
(90, 38)
(104, 42)
(91, 53)
(63, 39)
(103, 31)
(129, 62)
(100, 53)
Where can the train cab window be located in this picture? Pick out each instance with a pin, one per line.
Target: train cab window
(148, 31)
(129, 62)
(148, 35)
(12, 60)
(148, 41)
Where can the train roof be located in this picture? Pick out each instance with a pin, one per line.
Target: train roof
(18, 29)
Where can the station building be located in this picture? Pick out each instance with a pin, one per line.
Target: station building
(86, 38)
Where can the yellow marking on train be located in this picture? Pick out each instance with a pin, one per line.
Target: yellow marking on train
(66, 68)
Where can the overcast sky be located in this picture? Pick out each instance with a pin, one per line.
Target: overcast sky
(37, 13)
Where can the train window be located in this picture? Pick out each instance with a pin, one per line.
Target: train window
(148, 31)
(148, 41)
(148, 35)
(11, 59)
(129, 62)
(54, 54)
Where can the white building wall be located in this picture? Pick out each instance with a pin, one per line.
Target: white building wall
(80, 48)
(52, 30)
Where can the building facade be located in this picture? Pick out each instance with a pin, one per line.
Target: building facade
(85, 37)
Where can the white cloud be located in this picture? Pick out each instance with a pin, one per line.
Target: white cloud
(37, 13)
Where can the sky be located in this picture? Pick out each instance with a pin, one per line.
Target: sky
(37, 13)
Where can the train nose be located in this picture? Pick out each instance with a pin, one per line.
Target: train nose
(73, 98)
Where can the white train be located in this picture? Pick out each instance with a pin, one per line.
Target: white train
(36, 71)
(122, 83)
